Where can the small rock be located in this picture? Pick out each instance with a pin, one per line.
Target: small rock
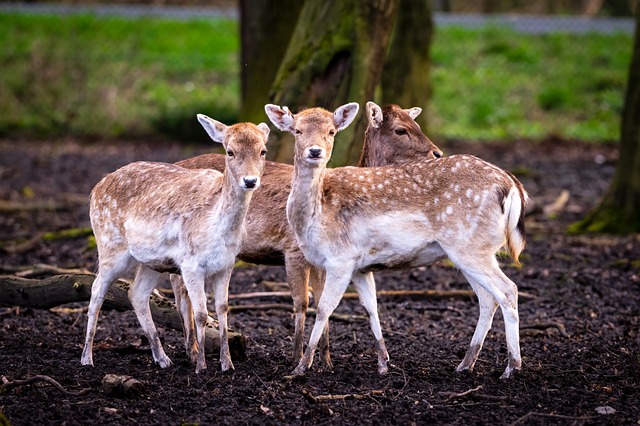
(121, 386)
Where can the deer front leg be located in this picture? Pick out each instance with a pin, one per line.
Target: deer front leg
(183, 304)
(140, 291)
(366, 287)
(220, 283)
(194, 282)
(316, 280)
(335, 286)
(298, 276)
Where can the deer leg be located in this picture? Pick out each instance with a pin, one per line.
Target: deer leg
(298, 277)
(220, 283)
(488, 307)
(335, 286)
(145, 282)
(366, 287)
(183, 304)
(108, 273)
(194, 282)
(488, 275)
(316, 280)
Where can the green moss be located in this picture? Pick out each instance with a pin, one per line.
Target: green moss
(67, 234)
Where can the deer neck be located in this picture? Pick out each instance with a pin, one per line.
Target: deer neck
(232, 206)
(304, 206)
(369, 156)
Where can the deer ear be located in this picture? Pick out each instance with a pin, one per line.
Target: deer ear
(374, 115)
(215, 129)
(281, 117)
(264, 129)
(413, 112)
(344, 115)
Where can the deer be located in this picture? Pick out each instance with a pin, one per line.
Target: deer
(392, 136)
(158, 217)
(352, 221)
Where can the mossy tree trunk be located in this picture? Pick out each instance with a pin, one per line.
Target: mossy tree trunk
(406, 75)
(619, 211)
(265, 31)
(336, 54)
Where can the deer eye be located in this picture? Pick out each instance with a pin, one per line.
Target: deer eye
(230, 153)
(332, 132)
(263, 152)
(401, 132)
(297, 132)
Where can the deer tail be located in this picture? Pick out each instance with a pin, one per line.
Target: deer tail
(514, 205)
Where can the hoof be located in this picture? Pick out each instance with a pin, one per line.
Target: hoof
(165, 362)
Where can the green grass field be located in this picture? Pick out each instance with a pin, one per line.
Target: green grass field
(87, 77)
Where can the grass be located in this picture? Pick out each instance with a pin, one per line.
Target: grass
(89, 77)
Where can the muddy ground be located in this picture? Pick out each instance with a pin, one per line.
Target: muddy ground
(588, 286)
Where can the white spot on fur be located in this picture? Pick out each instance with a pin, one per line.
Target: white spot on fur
(449, 210)
(469, 192)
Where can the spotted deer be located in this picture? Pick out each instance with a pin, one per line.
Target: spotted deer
(392, 136)
(351, 221)
(158, 217)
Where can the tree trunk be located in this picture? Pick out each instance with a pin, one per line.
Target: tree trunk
(619, 211)
(69, 288)
(265, 31)
(336, 54)
(406, 77)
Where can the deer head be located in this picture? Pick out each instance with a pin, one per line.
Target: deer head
(241, 143)
(314, 129)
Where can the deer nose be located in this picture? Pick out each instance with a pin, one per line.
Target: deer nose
(438, 154)
(250, 182)
(315, 152)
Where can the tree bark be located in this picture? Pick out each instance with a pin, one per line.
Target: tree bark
(336, 54)
(69, 288)
(406, 77)
(619, 211)
(265, 31)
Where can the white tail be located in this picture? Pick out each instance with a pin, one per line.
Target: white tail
(392, 137)
(351, 221)
(159, 217)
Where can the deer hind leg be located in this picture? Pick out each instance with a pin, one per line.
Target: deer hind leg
(488, 307)
(335, 286)
(183, 304)
(220, 284)
(108, 272)
(486, 272)
(316, 279)
(145, 282)
(298, 277)
(366, 287)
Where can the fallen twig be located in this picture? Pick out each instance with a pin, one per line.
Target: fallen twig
(555, 416)
(7, 384)
(451, 395)
(289, 308)
(543, 326)
(319, 398)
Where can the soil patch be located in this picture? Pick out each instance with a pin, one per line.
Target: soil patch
(586, 285)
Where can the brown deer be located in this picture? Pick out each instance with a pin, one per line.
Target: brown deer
(158, 217)
(392, 136)
(351, 221)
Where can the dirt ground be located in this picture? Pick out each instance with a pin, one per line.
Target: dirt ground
(580, 330)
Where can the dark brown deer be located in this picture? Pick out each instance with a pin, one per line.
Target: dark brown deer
(158, 217)
(392, 136)
(351, 221)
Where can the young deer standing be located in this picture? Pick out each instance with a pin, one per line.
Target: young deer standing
(352, 221)
(164, 218)
(393, 136)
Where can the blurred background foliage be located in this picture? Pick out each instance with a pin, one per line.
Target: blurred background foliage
(96, 76)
